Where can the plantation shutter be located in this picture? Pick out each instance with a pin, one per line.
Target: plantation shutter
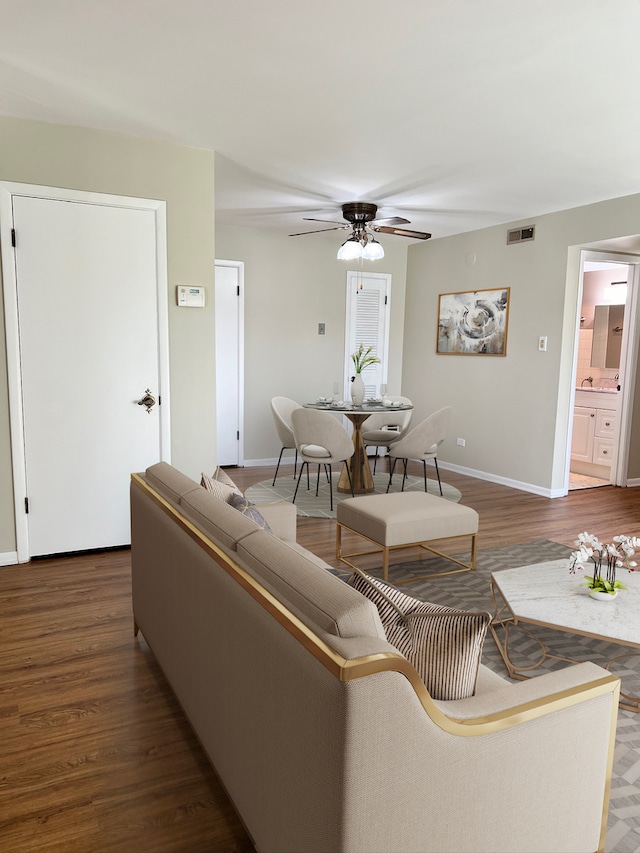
(367, 323)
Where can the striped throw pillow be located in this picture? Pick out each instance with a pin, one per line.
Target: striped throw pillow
(442, 643)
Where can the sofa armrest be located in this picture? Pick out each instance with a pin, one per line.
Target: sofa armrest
(282, 519)
(531, 768)
(513, 694)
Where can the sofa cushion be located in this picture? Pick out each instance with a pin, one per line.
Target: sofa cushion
(308, 589)
(443, 644)
(217, 519)
(250, 510)
(169, 482)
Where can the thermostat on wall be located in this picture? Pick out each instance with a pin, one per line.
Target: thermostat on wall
(190, 297)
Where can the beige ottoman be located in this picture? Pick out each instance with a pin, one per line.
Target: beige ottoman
(403, 520)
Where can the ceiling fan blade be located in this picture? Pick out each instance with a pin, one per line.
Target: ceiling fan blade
(318, 230)
(392, 220)
(329, 221)
(402, 232)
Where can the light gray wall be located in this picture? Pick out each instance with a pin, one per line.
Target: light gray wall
(505, 408)
(291, 285)
(72, 157)
(514, 411)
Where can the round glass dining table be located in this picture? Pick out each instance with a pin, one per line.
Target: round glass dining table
(359, 468)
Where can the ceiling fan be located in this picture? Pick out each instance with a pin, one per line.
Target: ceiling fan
(360, 217)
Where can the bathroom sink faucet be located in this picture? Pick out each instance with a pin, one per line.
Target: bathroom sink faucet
(589, 379)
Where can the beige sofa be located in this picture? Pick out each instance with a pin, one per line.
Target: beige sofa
(324, 736)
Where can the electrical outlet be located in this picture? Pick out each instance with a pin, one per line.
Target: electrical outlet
(461, 442)
(542, 343)
(321, 328)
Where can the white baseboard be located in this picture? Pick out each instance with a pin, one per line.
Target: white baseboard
(633, 482)
(257, 463)
(459, 469)
(9, 558)
(503, 481)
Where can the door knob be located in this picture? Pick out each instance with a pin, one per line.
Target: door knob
(148, 400)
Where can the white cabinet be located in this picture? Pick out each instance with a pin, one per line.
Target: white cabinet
(605, 423)
(584, 430)
(603, 438)
(602, 451)
(593, 433)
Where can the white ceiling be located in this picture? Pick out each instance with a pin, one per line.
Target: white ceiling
(456, 114)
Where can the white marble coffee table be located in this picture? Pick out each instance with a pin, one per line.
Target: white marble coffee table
(546, 594)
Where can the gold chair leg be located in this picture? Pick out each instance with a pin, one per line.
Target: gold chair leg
(474, 552)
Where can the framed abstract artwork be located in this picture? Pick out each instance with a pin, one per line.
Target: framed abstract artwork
(473, 322)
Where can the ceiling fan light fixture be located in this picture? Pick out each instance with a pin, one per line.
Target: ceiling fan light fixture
(350, 250)
(373, 251)
(361, 217)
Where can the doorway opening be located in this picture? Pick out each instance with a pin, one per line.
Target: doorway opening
(604, 367)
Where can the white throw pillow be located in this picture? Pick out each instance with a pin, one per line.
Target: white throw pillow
(217, 488)
(222, 477)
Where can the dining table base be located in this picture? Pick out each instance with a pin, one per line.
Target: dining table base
(361, 477)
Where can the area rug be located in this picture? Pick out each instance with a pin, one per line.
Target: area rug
(308, 504)
(471, 590)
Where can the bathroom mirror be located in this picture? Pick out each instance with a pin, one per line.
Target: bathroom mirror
(608, 323)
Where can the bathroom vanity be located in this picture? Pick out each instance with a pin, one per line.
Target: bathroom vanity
(594, 430)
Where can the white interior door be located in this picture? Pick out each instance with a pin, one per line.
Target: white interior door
(86, 280)
(229, 370)
(368, 304)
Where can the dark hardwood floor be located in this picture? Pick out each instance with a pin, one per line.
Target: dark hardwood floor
(95, 754)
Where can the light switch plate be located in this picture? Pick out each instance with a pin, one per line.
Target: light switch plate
(542, 343)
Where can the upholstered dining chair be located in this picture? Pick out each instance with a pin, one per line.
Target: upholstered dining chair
(320, 440)
(281, 408)
(422, 443)
(386, 428)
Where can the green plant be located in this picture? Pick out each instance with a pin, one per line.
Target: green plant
(606, 558)
(363, 358)
(599, 584)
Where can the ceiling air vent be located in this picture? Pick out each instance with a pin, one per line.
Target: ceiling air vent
(521, 235)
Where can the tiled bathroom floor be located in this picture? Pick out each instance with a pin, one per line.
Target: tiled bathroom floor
(582, 481)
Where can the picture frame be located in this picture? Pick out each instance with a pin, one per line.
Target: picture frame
(473, 322)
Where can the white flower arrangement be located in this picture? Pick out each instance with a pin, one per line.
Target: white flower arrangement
(363, 358)
(606, 557)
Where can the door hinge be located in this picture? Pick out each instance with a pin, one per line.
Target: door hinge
(237, 435)
(159, 400)
(385, 299)
(13, 237)
(26, 505)
(238, 290)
